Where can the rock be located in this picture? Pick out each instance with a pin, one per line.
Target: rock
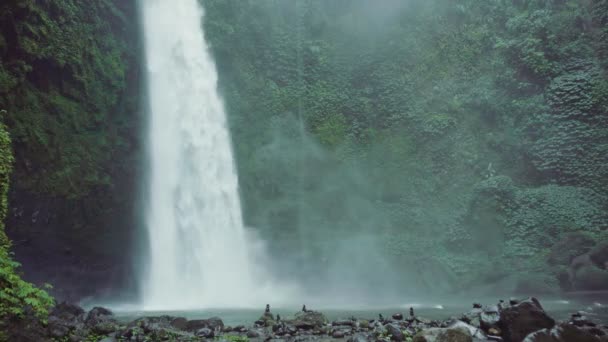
(65, 319)
(489, 318)
(562, 333)
(253, 333)
(476, 332)
(343, 322)
(472, 317)
(521, 319)
(395, 332)
(179, 323)
(337, 334)
(364, 324)
(581, 320)
(213, 323)
(205, 332)
(266, 320)
(309, 320)
(101, 321)
(398, 317)
(453, 334)
(359, 338)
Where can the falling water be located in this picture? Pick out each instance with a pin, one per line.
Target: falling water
(200, 255)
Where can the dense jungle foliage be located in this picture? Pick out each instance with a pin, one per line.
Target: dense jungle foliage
(16, 295)
(69, 82)
(468, 139)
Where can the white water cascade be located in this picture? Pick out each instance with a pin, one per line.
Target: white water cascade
(200, 254)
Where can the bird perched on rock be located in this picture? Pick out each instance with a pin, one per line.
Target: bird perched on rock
(304, 308)
(380, 318)
(267, 308)
(278, 318)
(411, 312)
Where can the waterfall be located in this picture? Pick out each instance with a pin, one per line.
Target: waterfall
(199, 253)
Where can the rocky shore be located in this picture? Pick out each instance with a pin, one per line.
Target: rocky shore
(511, 321)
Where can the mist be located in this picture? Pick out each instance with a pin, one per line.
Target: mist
(384, 153)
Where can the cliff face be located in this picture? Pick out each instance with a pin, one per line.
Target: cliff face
(69, 81)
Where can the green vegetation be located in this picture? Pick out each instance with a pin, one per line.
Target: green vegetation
(16, 295)
(461, 138)
(69, 81)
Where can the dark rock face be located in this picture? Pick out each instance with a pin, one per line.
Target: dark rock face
(523, 318)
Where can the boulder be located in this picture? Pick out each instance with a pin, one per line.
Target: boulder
(253, 334)
(213, 323)
(489, 318)
(309, 320)
(101, 321)
(337, 334)
(395, 331)
(65, 319)
(205, 332)
(266, 320)
(343, 322)
(562, 333)
(476, 332)
(452, 334)
(398, 316)
(359, 338)
(523, 318)
(179, 323)
(153, 329)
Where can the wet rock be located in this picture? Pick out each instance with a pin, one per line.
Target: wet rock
(562, 333)
(213, 323)
(581, 320)
(101, 321)
(489, 318)
(179, 323)
(309, 320)
(343, 322)
(266, 320)
(359, 338)
(398, 317)
(395, 331)
(205, 332)
(476, 332)
(519, 320)
(337, 334)
(65, 319)
(240, 328)
(452, 334)
(472, 317)
(253, 334)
